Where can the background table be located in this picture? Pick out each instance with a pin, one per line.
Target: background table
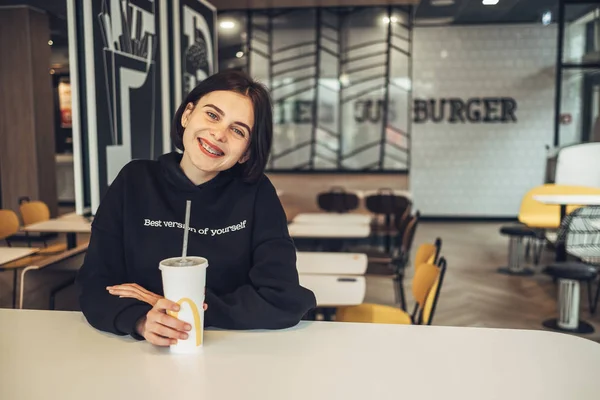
(71, 224)
(333, 219)
(324, 263)
(57, 355)
(336, 290)
(564, 200)
(9, 254)
(365, 193)
(319, 231)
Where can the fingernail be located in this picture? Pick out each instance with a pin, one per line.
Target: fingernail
(173, 341)
(183, 336)
(176, 307)
(188, 327)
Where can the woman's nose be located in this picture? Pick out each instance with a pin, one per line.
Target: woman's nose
(219, 134)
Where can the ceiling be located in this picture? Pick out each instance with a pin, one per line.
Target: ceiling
(262, 4)
(427, 11)
(455, 11)
(506, 11)
(57, 12)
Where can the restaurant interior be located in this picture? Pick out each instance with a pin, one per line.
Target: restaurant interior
(438, 161)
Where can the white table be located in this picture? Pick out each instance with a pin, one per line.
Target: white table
(58, 356)
(316, 231)
(568, 199)
(336, 290)
(332, 218)
(71, 224)
(9, 254)
(324, 263)
(365, 193)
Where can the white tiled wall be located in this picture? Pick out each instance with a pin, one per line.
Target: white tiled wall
(476, 169)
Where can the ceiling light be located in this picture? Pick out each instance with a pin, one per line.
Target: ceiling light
(50, 42)
(344, 79)
(490, 2)
(547, 18)
(227, 24)
(386, 20)
(239, 54)
(433, 21)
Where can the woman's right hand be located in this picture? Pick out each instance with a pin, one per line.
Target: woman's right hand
(160, 328)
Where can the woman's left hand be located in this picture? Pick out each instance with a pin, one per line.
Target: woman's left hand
(134, 291)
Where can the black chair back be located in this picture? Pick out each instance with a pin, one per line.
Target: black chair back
(385, 202)
(337, 200)
(402, 249)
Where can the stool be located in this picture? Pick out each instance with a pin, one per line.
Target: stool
(515, 249)
(569, 274)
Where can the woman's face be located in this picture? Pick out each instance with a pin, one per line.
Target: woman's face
(217, 131)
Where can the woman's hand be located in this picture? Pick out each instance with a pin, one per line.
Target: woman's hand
(134, 291)
(161, 329)
(157, 327)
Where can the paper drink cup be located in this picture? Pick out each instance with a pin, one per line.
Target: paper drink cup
(184, 284)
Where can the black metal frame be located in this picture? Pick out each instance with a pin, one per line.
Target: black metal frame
(561, 65)
(442, 264)
(313, 60)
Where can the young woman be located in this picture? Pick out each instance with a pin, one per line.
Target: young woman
(224, 128)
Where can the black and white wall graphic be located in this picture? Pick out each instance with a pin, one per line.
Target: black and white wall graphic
(129, 84)
(129, 79)
(196, 43)
(340, 79)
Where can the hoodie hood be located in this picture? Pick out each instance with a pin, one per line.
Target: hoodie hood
(170, 165)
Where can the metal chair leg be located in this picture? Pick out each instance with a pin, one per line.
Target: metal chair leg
(594, 305)
(515, 248)
(539, 248)
(22, 289)
(528, 246)
(14, 294)
(57, 289)
(590, 297)
(568, 310)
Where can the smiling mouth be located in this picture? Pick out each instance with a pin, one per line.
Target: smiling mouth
(210, 150)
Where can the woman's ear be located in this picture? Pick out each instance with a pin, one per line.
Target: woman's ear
(245, 157)
(185, 117)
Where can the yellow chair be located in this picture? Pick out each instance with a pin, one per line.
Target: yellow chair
(434, 295)
(9, 224)
(427, 253)
(394, 268)
(33, 212)
(426, 288)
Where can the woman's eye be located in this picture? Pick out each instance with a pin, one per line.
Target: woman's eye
(212, 115)
(239, 132)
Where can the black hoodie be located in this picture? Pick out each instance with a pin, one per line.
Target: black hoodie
(241, 228)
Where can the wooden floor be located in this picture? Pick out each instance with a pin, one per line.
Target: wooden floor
(473, 293)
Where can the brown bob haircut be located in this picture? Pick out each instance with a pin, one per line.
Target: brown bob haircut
(261, 136)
